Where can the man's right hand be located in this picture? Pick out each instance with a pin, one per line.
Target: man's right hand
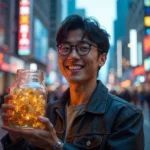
(7, 107)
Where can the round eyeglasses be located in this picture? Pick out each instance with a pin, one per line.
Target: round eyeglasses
(82, 48)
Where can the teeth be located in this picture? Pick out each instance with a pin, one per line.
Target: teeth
(74, 67)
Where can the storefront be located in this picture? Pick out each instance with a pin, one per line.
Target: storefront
(8, 67)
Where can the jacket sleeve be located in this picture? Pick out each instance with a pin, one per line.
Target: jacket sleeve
(20, 145)
(128, 133)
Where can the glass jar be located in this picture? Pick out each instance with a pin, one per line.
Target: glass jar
(29, 99)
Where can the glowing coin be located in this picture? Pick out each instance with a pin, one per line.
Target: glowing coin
(31, 109)
(26, 101)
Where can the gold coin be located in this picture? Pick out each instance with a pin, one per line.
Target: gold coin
(26, 101)
(31, 109)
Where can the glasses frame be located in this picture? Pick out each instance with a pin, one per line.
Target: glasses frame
(76, 48)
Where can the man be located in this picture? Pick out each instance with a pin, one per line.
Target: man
(86, 116)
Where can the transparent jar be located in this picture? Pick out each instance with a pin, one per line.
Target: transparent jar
(29, 99)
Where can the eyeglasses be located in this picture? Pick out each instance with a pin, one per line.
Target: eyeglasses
(83, 48)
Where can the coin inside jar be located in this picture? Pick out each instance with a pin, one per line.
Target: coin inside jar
(27, 110)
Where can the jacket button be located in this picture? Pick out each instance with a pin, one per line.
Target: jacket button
(88, 143)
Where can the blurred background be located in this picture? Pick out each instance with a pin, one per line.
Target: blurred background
(27, 41)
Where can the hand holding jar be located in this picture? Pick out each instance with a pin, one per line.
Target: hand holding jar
(27, 100)
(24, 108)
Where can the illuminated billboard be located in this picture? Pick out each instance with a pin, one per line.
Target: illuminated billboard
(147, 64)
(147, 44)
(40, 40)
(133, 47)
(147, 31)
(147, 21)
(24, 28)
(147, 3)
(119, 58)
(139, 71)
(147, 11)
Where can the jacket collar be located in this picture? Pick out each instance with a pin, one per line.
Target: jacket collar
(97, 103)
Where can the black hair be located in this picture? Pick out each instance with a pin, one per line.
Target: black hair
(90, 27)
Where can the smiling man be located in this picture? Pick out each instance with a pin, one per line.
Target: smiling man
(87, 116)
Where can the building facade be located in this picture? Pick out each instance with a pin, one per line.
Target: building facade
(55, 21)
(24, 33)
(120, 33)
(133, 49)
(9, 61)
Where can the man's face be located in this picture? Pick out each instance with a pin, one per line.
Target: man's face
(76, 68)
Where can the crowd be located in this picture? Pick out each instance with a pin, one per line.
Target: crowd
(138, 95)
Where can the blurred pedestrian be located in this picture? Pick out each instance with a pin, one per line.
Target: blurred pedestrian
(52, 95)
(87, 116)
(114, 92)
(141, 97)
(134, 96)
(124, 94)
(147, 95)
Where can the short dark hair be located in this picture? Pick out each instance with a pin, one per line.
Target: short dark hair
(90, 27)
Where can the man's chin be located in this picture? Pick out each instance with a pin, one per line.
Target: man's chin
(75, 80)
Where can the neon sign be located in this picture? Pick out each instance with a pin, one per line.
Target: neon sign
(24, 28)
(147, 3)
(147, 21)
(139, 71)
(147, 64)
(147, 31)
(147, 44)
(147, 11)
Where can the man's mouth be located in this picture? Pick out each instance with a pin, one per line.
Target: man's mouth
(75, 67)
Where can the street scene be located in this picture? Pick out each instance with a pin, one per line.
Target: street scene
(75, 69)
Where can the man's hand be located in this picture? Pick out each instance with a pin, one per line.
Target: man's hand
(6, 114)
(44, 139)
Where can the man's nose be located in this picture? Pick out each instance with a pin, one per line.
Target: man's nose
(73, 53)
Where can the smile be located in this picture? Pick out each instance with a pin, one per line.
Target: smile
(76, 67)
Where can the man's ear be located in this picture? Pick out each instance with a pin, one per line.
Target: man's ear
(102, 59)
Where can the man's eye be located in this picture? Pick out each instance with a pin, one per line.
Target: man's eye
(64, 48)
(84, 47)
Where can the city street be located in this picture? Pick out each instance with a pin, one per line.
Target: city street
(146, 130)
(47, 46)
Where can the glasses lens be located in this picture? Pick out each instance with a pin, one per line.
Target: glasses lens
(64, 49)
(83, 48)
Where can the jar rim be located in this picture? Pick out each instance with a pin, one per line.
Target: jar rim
(29, 70)
(29, 74)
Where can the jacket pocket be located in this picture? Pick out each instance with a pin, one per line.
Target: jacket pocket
(89, 141)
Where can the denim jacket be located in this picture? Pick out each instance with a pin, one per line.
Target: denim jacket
(108, 123)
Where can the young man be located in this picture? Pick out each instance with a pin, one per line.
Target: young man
(86, 116)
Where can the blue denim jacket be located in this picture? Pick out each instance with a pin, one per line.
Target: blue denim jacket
(108, 123)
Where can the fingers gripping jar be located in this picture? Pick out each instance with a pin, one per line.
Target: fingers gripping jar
(29, 99)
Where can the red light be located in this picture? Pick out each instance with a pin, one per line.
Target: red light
(147, 44)
(13, 67)
(139, 71)
(1, 56)
(5, 66)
